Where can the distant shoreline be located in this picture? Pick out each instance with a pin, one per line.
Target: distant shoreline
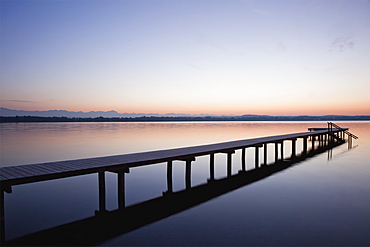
(36, 119)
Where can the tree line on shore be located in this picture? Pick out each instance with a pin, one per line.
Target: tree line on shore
(18, 119)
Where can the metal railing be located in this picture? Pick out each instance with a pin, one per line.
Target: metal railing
(330, 129)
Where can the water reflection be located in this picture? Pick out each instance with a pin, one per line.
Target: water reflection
(108, 224)
(27, 143)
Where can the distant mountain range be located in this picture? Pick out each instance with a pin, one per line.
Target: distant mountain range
(5, 112)
(9, 115)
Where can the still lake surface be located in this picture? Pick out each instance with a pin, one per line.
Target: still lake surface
(324, 200)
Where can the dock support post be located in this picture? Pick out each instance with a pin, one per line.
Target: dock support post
(276, 152)
(256, 157)
(229, 164)
(243, 160)
(169, 177)
(212, 167)
(304, 144)
(121, 189)
(188, 173)
(313, 143)
(265, 154)
(294, 148)
(229, 161)
(102, 196)
(282, 150)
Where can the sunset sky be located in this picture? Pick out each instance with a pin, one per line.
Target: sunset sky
(278, 57)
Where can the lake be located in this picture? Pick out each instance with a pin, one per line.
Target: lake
(322, 200)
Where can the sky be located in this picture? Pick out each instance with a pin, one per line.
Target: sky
(224, 57)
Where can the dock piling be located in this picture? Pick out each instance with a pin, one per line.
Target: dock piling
(276, 152)
(256, 157)
(169, 177)
(305, 145)
(102, 192)
(229, 163)
(282, 150)
(121, 189)
(243, 160)
(212, 167)
(188, 172)
(313, 143)
(293, 148)
(265, 154)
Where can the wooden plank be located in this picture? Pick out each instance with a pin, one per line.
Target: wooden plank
(9, 174)
(13, 170)
(33, 169)
(39, 169)
(60, 167)
(3, 176)
(47, 168)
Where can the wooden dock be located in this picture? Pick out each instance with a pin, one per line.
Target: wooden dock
(89, 231)
(15, 175)
(121, 164)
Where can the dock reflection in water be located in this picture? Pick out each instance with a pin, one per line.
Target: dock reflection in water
(109, 224)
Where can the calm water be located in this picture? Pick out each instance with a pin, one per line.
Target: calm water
(323, 200)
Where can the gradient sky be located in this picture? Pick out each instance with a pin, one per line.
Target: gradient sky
(239, 57)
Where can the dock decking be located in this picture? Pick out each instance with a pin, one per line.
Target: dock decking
(21, 174)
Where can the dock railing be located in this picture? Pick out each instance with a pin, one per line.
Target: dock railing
(340, 134)
(349, 134)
